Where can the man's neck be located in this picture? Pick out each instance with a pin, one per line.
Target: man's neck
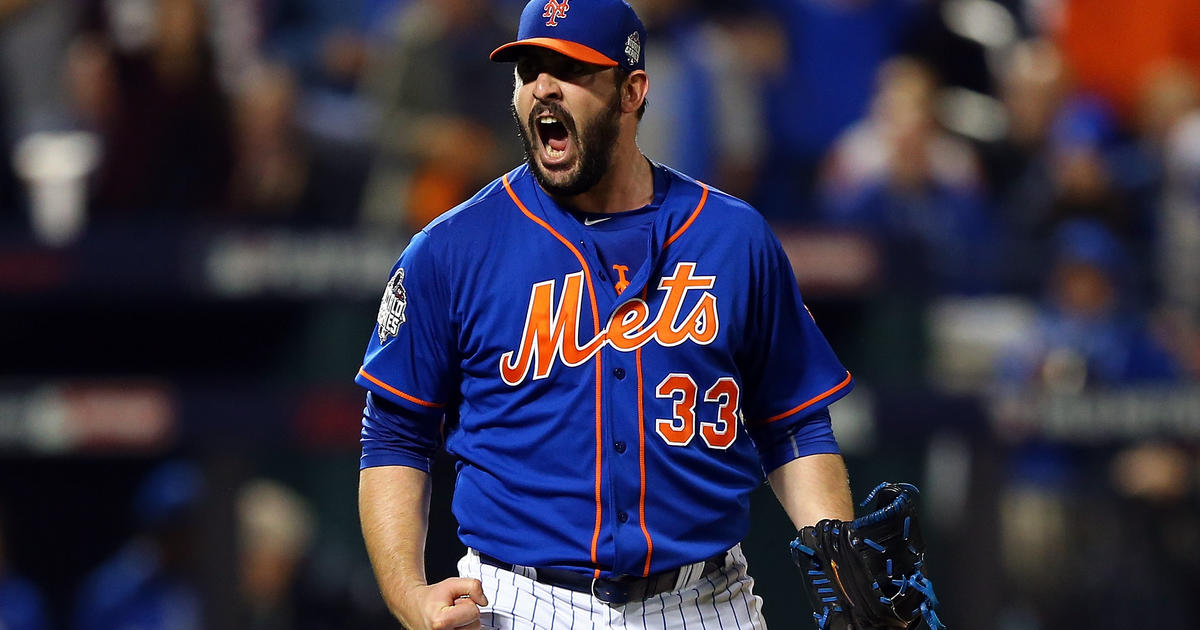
(628, 185)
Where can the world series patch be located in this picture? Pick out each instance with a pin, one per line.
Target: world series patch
(391, 307)
(633, 49)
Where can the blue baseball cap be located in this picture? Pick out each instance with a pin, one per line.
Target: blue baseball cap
(167, 493)
(601, 32)
(1085, 122)
(1090, 242)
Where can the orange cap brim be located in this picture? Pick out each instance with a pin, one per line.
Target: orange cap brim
(579, 52)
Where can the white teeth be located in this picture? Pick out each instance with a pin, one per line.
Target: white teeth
(551, 152)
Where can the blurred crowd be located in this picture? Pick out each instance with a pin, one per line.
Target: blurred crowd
(983, 146)
(183, 567)
(1047, 149)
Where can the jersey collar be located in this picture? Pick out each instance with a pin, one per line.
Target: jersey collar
(682, 202)
(677, 204)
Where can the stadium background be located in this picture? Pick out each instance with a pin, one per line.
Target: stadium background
(993, 207)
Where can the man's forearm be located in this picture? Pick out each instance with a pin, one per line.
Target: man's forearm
(393, 506)
(812, 488)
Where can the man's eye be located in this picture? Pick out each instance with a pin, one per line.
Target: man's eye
(526, 72)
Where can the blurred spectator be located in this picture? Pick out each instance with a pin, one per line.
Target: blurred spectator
(1183, 188)
(833, 52)
(706, 79)
(1086, 171)
(141, 75)
(1082, 181)
(898, 176)
(33, 41)
(21, 603)
(322, 42)
(1055, 519)
(326, 46)
(33, 38)
(1169, 92)
(1065, 512)
(275, 530)
(150, 583)
(444, 129)
(271, 173)
(1032, 85)
(282, 582)
(1179, 248)
(1159, 529)
(284, 174)
(1090, 332)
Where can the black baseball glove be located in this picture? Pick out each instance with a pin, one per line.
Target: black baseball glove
(867, 574)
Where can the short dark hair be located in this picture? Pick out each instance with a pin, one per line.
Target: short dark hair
(620, 74)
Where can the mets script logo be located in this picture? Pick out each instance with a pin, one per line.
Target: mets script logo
(556, 10)
(391, 307)
(551, 333)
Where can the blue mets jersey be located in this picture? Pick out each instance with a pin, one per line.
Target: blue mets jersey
(617, 432)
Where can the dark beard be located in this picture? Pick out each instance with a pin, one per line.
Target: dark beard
(595, 144)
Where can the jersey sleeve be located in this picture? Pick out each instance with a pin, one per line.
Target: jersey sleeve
(790, 371)
(780, 442)
(409, 358)
(394, 435)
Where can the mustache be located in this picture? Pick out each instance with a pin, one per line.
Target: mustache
(556, 110)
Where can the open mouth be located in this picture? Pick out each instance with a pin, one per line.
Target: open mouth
(555, 138)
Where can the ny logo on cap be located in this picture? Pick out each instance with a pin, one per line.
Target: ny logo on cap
(556, 10)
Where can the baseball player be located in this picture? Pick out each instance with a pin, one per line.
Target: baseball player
(615, 354)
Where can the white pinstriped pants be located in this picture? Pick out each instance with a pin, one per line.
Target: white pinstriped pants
(721, 601)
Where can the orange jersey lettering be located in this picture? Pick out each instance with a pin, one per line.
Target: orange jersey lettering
(551, 333)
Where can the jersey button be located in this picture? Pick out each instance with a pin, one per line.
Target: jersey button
(621, 516)
(620, 446)
(619, 373)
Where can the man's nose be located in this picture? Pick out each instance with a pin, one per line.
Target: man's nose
(546, 87)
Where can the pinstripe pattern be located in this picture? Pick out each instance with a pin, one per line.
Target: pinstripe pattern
(520, 603)
(712, 598)
(699, 615)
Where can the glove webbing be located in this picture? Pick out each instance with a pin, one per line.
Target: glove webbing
(829, 602)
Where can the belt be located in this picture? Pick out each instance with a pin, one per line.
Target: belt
(616, 590)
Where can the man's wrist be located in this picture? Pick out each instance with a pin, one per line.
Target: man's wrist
(403, 601)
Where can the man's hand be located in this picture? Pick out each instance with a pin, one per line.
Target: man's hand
(393, 504)
(450, 604)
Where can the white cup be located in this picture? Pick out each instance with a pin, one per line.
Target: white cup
(55, 166)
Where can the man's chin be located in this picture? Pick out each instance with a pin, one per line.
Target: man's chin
(558, 179)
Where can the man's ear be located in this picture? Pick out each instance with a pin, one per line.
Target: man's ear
(634, 91)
